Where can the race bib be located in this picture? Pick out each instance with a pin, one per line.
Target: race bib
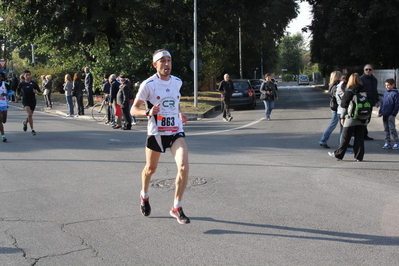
(167, 118)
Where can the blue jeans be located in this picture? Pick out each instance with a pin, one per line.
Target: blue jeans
(70, 104)
(335, 118)
(269, 106)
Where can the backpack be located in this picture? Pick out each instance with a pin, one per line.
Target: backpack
(333, 101)
(359, 107)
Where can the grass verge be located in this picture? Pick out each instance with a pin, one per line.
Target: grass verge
(206, 101)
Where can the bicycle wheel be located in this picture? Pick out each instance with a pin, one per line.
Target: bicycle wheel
(99, 112)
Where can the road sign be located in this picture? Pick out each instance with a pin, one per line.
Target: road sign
(3, 63)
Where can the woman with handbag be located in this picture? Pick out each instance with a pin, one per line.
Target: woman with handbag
(335, 79)
(268, 94)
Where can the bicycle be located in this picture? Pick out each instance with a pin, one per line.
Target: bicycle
(99, 111)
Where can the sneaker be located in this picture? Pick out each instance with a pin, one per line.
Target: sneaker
(333, 156)
(145, 206)
(25, 126)
(387, 146)
(33, 133)
(230, 118)
(179, 215)
(224, 119)
(4, 138)
(395, 146)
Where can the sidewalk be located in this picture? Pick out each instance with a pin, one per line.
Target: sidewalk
(60, 108)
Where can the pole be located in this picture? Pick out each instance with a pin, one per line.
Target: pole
(239, 45)
(195, 57)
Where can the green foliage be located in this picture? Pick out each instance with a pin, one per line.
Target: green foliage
(113, 37)
(292, 48)
(355, 32)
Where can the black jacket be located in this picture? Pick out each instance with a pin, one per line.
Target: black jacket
(113, 91)
(226, 88)
(123, 96)
(370, 87)
(78, 87)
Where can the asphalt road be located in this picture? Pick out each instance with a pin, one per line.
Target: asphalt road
(260, 193)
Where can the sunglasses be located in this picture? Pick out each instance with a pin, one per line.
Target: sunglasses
(368, 69)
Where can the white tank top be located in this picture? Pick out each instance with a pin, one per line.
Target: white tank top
(153, 91)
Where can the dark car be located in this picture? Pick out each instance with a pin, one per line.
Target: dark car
(255, 84)
(243, 95)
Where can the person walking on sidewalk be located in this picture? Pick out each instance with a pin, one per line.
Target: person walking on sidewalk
(117, 123)
(226, 88)
(161, 94)
(28, 89)
(4, 88)
(388, 110)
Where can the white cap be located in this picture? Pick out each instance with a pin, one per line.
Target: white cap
(159, 55)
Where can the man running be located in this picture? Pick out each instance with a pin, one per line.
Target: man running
(161, 95)
(28, 90)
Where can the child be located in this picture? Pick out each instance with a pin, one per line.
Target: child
(388, 110)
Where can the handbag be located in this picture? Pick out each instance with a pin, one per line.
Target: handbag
(333, 103)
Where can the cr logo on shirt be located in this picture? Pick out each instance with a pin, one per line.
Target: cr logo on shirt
(168, 103)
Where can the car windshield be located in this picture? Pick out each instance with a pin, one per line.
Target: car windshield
(240, 85)
(256, 82)
(303, 77)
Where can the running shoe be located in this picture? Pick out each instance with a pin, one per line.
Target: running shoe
(395, 146)
(145, 206)
(4, 138)
(33, 133)
(230, 118)
(179, 215)
(25, 126)
(387, 146)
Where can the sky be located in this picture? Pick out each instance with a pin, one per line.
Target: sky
(304, 18)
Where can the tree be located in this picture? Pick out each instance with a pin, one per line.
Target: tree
(291, 51)
(355, 32)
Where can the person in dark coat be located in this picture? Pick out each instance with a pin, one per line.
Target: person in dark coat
(226, 88)
(370, 87)
(123, 99)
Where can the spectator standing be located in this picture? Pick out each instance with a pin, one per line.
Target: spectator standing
(123, 98)
(335, 79)
(48, 86)
(388, 110)
(78, 88)
(113, 92)
(28, 90)
(161, 95)
(226, 88)
(4, 88)
(106, 88)
(89, 87)
(268, 92)
(370, 87)
(352, 127)
(68, 87)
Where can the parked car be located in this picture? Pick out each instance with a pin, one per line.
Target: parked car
(255, 84)
(243, 95)
(303, 80)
